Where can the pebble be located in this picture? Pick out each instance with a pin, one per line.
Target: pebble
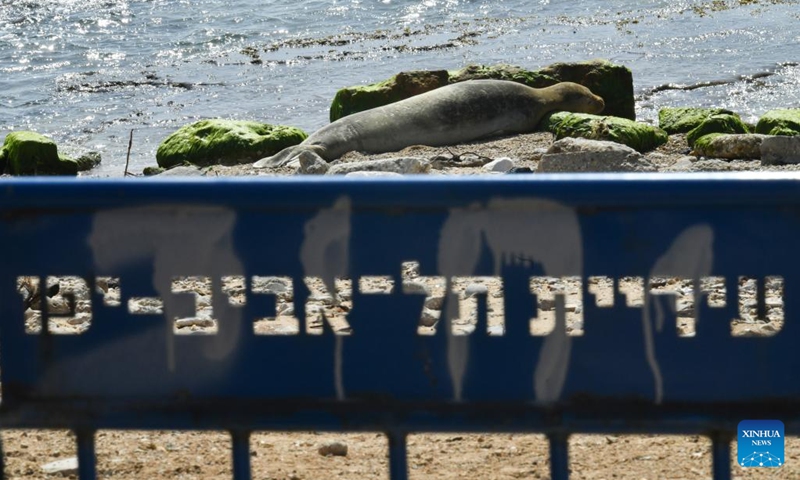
(682, 164)
(774, 302)
(496, 330)
(312, 164)
(434, 302)
(429, 317)
(59, 306)
(476, 289)
(336, 449)
(397, 165)
(182, 171)
(194, 322)
(415, 287)
(500, 165)
(64, 467)
(374, 174)
(270, 285)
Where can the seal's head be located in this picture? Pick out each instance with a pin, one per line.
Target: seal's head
(573, 97)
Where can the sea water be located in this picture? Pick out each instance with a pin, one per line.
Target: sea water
(89, 72)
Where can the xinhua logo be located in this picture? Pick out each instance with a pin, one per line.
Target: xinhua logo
(760, 443)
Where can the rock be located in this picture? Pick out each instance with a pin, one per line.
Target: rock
(350, 100)
(64, 467)
(429, 317)
(729, 145)
(415, 287)
(715, 165)
(373, 174)
(721, 123)
(684, 119)
(228, 142)
(520, 170)
(780, 149)
(401, 165)
(500, 165)
(29, 153)
(272, 285)
(497, 331)
(434, 303)
(683, 164)
(476, 289)
(194, 322)
(637, 135)
(337, 449)
(88, 161)
(150, 171)
(582, 155)
(612, 82)
(182, 171)
(311, 164)
(784, 121)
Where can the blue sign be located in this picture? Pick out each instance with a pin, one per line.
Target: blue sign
(760, 443)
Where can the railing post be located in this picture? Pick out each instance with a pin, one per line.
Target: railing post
(721, 455)
(2, 460)
(241, 454)
(559, 455)
(398, 455)
(87, 457)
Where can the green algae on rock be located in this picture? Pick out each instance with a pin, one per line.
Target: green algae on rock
(639, 136)
(401, 86)
(684, 119)
(228, 142)
(614, 83)
(30, 153)
(720, 123)
(785, 121)
(88, 161)
(729, 146)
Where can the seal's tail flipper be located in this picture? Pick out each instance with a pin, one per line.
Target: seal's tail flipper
(281, 158)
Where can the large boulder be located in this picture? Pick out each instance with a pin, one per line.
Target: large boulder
(778, 150)
(728, 145)
(582, 155)
(684, 119)
(721, 123)
(614, 83)
(784, 121)
(228, 142)
(639, 136)
(502, 71)
(29, 153)
(401, 86)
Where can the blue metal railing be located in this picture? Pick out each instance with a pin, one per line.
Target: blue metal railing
(628, 372)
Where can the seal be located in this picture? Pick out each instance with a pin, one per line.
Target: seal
(457, 113)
